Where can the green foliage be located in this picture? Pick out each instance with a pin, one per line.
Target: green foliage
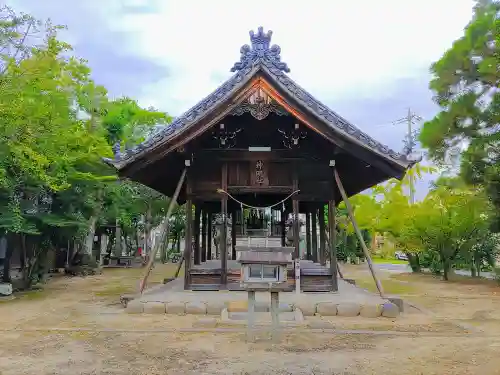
(55, 126)
(466, 83)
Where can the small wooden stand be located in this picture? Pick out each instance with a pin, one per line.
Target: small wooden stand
(255, 277)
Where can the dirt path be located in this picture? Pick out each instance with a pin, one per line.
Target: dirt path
(91, 303)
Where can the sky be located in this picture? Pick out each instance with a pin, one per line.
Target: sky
(368, 60)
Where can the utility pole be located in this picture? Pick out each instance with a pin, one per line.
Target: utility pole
(410, 142)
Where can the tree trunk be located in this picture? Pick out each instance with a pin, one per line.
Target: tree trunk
(147, 232)
(6, 263)
(414, 261)
(164, 250)
(103, 247)
(473, 267)
(478, 266)
(89, 239)
(118, 240)
(446, 267)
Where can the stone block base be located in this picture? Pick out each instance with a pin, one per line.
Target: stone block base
(217, 308)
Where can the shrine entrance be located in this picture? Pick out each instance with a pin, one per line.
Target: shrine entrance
(251, 157)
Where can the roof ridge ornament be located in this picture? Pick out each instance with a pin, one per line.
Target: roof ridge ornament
(260, 51)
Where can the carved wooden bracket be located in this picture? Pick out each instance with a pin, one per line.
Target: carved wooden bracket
(225, 138)
(291, 139)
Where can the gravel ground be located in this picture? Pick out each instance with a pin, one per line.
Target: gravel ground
(97, 337)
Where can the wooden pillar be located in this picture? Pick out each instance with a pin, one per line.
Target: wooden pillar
(233, 235)
(204, 236)
(284, 215)
(314, 234)
(308, 234)
(322, 239)
(223, 239)
(296, 229)
(296, 226)
(196, 234)
(332, 245)
(188, 241)
(209, 235)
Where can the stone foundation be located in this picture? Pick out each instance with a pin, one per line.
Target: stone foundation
(215, 308)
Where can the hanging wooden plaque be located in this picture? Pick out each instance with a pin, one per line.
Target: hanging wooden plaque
(259, 173)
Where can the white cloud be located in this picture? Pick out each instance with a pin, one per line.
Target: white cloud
(335, 48)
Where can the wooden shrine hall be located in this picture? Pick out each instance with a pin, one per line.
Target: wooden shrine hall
(259, 140)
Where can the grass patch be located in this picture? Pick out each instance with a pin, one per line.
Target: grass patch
(32, 295)
(388, 261)
(390, 286)
(454, 279)
(113, 291)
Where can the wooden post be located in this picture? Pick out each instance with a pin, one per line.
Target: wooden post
(295, 207)
(356, 228)
(251, 316)
(223, 235)
(204, 236)
(275, 316)
(196, 234)
(332, 244)
(308, 235)
(322, 240)
(188, 244)
(314, 234)
(164, 232)
(209, 234)
(233, 235)
(284, 215)
(296, 229)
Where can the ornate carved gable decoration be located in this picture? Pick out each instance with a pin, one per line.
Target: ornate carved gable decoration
(259, 104)
(258, 55)
(260, 52)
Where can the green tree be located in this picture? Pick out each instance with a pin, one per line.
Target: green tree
(450, 222)
(55, 125)
(466, 83)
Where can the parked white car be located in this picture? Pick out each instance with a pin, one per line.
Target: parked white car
(400, 255)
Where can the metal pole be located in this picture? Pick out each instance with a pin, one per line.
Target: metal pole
(356, 229)
(165, 229)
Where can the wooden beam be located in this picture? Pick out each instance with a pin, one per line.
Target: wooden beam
(332, 244)
(314, 234)
(196, 234)
(357, 230)
(164, 232)
(223, 239)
